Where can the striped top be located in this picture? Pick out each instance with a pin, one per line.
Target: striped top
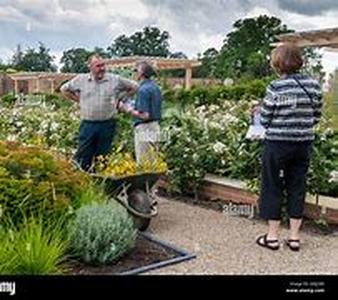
(287, 111)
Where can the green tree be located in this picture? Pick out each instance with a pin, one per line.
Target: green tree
(101, 52)
(151, 41)
(75, 60)
(247, 48)
(17, 57)
(209, 61)
(33, 60)
(313, 63)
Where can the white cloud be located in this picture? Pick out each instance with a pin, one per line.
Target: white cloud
(257, 11)
(6, 54)
(194, 26)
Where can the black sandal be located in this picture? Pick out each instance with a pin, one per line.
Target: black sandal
(264, 242)
(289, 243)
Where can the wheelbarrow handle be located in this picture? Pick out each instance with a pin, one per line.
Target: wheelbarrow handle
(136, 213)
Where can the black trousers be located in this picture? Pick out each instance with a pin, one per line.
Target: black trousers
(285, 166)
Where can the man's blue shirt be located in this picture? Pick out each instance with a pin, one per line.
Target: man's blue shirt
(149, 100)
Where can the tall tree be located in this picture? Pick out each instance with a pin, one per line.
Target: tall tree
(101, 52)
(151, 41)
(247, 48)
(75, 60)
(33, 60)
(209, 60)
(313, 63)
(18, 55)
(179, 55)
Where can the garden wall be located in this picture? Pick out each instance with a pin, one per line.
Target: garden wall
(6, 84)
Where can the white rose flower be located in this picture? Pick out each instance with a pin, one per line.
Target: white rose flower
(219, 147)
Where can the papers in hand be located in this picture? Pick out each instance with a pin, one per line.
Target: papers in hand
(256, 130)
(126, 105)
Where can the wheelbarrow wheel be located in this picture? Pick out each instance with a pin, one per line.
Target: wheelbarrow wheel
(140, 201)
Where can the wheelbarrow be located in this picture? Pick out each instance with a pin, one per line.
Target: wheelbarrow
(136, 193)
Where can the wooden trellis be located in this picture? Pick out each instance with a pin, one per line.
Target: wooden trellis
(326, 38)
(159, 63)
(38, 77)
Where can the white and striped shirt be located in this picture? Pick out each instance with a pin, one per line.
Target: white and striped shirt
(288, 112)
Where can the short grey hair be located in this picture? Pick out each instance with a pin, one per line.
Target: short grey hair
(147, 69)
(94, 56)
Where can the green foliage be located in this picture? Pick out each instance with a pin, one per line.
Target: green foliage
(331, 102)
(8, 100)
(247, 48)
(101, 233)
(246, 51)
(211, 139)
(34, 248)
(93, 193)
(209, 60)
(151, 41)
(313, 63)
(75, 60)
(34, 181)
(33, 60)
(217, 94)
(324, 161)
(42, 120)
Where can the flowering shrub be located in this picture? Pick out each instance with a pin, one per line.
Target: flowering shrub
(34, 181)
(121, 163)
(211, 139)
(40, 125)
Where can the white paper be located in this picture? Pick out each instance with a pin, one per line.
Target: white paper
(256, 130)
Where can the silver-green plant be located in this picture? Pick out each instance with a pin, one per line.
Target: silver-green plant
(101, 233)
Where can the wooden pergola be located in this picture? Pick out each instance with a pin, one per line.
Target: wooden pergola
(159, 63)
(325, 38)
(37, 77)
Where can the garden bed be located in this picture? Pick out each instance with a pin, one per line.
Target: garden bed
(149, 253)
(218, 190)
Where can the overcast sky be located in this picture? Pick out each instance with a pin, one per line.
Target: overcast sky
(194, 25)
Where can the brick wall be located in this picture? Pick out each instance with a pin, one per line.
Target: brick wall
(6, 84)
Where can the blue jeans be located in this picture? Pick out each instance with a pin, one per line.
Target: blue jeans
(95, 139)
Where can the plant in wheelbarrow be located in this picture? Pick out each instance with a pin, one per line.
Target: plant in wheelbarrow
(101, 233)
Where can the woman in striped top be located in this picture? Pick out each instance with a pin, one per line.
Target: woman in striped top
(289, 112)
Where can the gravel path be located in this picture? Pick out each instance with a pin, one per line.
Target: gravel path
(226, 245)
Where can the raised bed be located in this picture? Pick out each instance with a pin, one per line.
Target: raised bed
(217, 188)
(149, 253)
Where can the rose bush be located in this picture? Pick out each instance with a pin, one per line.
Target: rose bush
(211, 139)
